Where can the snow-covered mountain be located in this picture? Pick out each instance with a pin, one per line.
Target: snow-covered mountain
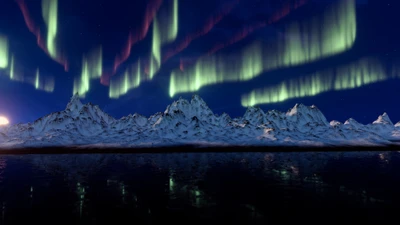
(193, 122)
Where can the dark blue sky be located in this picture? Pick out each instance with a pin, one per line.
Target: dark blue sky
(84, 24)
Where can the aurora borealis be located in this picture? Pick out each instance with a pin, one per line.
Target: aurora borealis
(320, 37)
(351, 76)
(3, 52)
(134, 57)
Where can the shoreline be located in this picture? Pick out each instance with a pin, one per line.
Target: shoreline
(191, 149)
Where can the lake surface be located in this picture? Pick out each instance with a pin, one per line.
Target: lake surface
(200, 188)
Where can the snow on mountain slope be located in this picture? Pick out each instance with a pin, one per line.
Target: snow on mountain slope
(383, 119)
(193, 122)
(3, 137)
(302, 115)
(382, 126)
(254, 115)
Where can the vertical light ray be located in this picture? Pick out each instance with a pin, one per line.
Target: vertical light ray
(92, 68)
(132, 78)
(16, 74)
(306, 41)
(12, 68)
(43, 83)
(3, 52)
(37, 83)
(155, 49)
(165, 30)
(134, 37)
(363, 72)
(95, 62)
(209, 24)
(82, 84)
(49, 13)
(49, 84)
(173, 31)
(286, 9)
(7, 61)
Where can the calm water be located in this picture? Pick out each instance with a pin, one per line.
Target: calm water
(200, 188)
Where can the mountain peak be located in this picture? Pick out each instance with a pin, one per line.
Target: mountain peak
(255, 115)
(306, 114)
(383, 119)
(193, 122)
(75, 103)
(297, 108)
(352, 121)
(196, 107)
(353, 124)
(335, 123)
(197, 99)
(252, 109)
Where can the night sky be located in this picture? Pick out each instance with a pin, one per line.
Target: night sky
(84, 25)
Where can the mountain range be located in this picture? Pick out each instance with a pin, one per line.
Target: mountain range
(193, 122)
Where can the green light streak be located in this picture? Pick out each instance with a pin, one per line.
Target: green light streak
(40, 83)
(3, 52)
(37, 79)
(305, 41)
(92, 68)
(48, 84)
(243, 66)
(396, 69)
(165, 31)
(49, 13)
(359, 74)
(95, 62)
(131, 79)
(82, 84)
(156, 41)
(171, 184)
(155, 49)
(173, 31)
(12, 68)
(15, 75)
(335, 32)
(363, 72)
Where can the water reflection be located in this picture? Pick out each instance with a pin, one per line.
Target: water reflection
(80, 191)
(237, 187)
(3, 165)
(3, 212)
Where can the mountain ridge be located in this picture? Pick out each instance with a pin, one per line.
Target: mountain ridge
(193, 122)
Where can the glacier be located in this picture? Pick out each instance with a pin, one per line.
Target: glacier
(192, 122)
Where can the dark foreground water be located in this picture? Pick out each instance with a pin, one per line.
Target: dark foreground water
(201, 188)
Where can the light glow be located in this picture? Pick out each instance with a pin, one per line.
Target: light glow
(3, 121)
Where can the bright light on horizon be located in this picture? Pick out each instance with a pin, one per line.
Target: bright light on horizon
(3, 121)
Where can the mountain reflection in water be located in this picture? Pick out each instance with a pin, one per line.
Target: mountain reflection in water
(198, 188)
